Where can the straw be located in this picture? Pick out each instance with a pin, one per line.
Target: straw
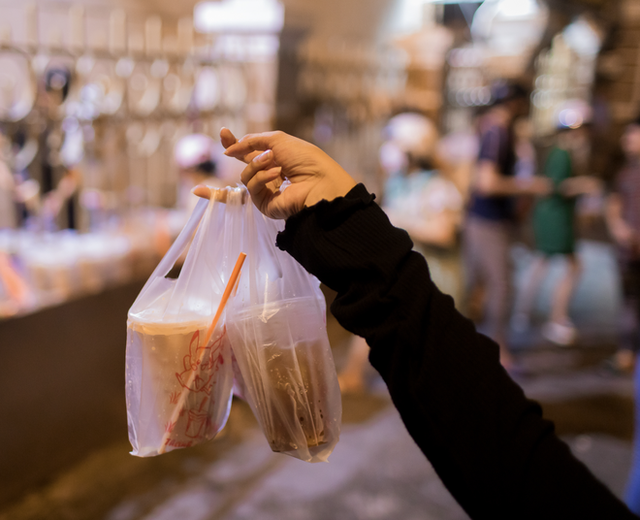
(235, 275)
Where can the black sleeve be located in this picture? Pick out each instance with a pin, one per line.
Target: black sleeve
(490, 445)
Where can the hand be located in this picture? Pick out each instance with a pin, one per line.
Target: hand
(540, 186)
(623, 234)
(582, 185)
(274, 157)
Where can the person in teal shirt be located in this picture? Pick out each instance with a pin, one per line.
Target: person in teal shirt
(554, 228)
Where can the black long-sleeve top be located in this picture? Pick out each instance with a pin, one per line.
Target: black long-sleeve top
(488, 443)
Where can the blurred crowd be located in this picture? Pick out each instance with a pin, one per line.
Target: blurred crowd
(466, 198)
(466, 209)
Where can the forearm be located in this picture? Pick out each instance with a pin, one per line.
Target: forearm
(487, 442)
(622, 233)
(505, 186)
(492, 183)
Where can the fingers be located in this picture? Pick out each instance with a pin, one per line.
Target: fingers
(258, 173)
(278, 181)
(202, 191)
(264, 161)
(268, 179)
(227, 138)
(207, 192)
(252, 143)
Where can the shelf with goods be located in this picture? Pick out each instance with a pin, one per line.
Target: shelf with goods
(101, 97)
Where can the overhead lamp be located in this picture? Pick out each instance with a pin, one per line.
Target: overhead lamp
(510, 27)
(239, 16)
(582, 37)
(518, 8)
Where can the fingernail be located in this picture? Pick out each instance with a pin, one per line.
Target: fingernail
(264, 156)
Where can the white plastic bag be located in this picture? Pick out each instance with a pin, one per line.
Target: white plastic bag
(178, 388)
(277, 328)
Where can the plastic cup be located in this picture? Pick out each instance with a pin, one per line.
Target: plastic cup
(172, 362)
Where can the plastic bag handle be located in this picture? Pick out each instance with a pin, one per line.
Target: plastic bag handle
(180, 243)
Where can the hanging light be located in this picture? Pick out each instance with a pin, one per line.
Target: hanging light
(518, 8)
(239, 16)
(453, 1)
(582, 37)
(510, 27)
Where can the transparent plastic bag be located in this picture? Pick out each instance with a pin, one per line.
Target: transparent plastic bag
(178, 388)
(277, 328)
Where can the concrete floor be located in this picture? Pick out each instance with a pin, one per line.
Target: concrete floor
(376, 471)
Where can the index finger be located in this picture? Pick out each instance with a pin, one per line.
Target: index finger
(228, 139)
(252, 143)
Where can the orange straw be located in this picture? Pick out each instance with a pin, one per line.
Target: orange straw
(235, 275)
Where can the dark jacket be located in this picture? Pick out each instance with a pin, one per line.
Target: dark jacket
(488, 443)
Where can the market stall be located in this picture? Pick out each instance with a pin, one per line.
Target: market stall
(92, 103)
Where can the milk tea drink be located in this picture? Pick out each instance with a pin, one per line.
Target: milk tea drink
(294, 408)
(289, 378)
(182, 386)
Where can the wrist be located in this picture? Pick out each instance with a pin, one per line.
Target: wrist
(335, 185)
(524, 185)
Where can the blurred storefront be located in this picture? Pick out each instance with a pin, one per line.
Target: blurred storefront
(93, 102)
(93, 99)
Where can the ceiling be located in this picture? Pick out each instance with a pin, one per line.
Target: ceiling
(355, 18)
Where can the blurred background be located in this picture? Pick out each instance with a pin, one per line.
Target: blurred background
(110, 113)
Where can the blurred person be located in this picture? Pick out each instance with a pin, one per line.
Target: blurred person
(459, 152)
(487, 442)
(623, 220)
(526, 164)
(491, 214)
(18, 193)
(554, 224)
(23, 152)
(57, 83)
(8, 208)
(622, 215)
(62, 201)
(418, 197)
(60, 180)
(196, 158)
(194, 155)
(526, 157)
(421, 200)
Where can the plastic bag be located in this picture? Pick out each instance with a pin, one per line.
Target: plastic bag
(277, 328)
(178, 388)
